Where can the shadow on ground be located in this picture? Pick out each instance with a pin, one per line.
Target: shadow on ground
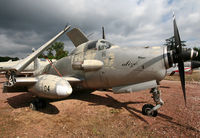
(23, 100)
(109, 101)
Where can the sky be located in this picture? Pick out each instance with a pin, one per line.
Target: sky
(27, 24)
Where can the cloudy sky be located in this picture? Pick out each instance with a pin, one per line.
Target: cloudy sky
(25, 24)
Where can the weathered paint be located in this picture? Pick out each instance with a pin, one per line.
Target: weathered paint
(51, 86)
(122, 66)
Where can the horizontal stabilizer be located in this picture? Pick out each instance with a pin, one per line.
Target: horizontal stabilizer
(135, 87)
(77, 37)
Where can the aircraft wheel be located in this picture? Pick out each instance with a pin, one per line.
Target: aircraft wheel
(148, 107)
(33, 106)
(42, 103)
(38, 104)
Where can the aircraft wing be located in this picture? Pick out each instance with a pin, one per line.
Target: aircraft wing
(20, 82)
(4, 66)
(77, 37)
(25, 81)
(32, 80)
(26, 61)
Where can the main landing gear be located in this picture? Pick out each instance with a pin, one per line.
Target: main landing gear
(149, 109)
(37, 104)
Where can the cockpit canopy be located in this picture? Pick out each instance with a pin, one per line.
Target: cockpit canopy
(99, 45)
(92, 45)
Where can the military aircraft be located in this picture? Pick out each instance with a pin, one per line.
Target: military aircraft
(28, 71)
(99, 64)
(188, 68)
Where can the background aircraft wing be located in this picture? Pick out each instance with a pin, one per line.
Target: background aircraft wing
(4, 66)
(77, 37)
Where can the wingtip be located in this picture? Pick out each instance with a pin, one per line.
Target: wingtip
(67, 27)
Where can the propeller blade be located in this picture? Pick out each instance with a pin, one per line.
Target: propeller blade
(103, 33)
(178, 45)
(182, 78)
(178, 48)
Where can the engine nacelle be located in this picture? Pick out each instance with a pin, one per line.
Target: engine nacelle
(51, 86)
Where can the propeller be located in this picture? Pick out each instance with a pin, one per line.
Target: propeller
(179, 57)
(177, 54)
(103, 33)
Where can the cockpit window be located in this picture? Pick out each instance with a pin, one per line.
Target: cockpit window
(92, 45)
(100, 45)
(104, 45)
(102, 41)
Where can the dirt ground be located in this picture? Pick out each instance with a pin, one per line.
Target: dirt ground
(103, 114)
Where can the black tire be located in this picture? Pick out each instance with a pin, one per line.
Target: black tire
(37, 104)
(148, 107)
(42, 103)
(33, 106)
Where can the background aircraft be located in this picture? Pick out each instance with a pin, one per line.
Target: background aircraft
(188, 68)
(100, 64)
(28, 71)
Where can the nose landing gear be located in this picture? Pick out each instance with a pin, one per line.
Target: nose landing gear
(149, 109)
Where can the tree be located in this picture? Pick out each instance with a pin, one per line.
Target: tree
(59, 49)
(3, 59)
(170, 42)
(56, 51)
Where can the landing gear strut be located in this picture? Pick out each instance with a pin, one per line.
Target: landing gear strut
(37, 104)
(149, 109)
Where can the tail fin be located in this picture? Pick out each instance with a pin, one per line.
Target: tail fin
(77, 37)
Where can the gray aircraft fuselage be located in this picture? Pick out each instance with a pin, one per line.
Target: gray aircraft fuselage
(121, 65)
(101, 65)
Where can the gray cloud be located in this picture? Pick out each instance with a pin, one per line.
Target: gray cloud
(25, 24)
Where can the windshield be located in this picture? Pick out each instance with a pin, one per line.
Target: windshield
(102, 44)
(92, 45)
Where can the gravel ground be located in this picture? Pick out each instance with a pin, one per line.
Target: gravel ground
(103, 114)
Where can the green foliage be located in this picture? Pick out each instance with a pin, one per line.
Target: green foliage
(56, 51)
(170, 42)
(198, 57)
(3, 59)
